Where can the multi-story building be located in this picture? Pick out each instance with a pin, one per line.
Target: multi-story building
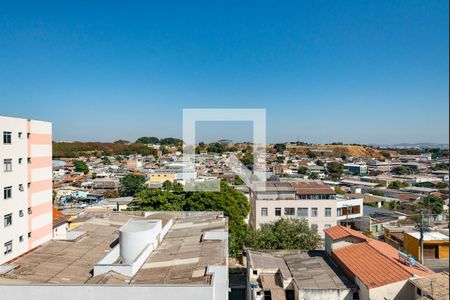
(311, 200)
(26, 182)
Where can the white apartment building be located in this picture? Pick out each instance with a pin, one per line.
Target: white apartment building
(26, 185)
(311, 200)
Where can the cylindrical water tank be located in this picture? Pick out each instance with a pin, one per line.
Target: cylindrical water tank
(134, 236)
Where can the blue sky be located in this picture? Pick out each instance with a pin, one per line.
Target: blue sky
(351, 71)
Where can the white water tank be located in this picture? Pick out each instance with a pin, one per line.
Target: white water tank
(135, 235)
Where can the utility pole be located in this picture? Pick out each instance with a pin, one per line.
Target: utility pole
(421, 237)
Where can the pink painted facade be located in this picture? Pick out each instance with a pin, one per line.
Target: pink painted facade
(26, 155)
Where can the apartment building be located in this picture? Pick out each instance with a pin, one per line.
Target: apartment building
(312, 200)
(26, 182)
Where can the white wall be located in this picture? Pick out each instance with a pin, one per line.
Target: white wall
(320, 220)
(19, 201)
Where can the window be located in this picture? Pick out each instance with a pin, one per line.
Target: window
(6, 137)
(327, 212)
(8, 247)
(21, 213)
(7, 165)
(29, 160)
(7, 220)
(327, 225)
(255, 272)
(264, 211)
(289, 211)
(19, 135)
(21, 188)
(21, 238)
(314, 212)
(278, 211)
(20, 160)
(314, 227)
(28, 135)
(29, 234)
(302, 212)
(30, 211)
(7, 192)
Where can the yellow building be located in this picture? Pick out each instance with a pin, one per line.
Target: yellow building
(161, 177)
(435, 244)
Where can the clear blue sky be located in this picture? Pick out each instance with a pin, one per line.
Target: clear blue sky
(351, 71)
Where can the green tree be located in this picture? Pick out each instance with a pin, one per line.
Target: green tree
(434, 203)
(376, 193)
(105, 160)
(216, 148)
(319, 163)
(313, 176)
(123, 142)
(335, 170)
(81, 166)
(402, 170)
(148, 140)
(391, 205)
(132, 184)
(233, 204)
(280, 148)
(397, 184)
(441, 185)
(289, 234)
(280, 159)
(311, 154)
(302, 170)
(385, 154)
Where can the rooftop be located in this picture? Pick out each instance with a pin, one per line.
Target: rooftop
(435, 285)
(429, 236)
(309, 269)
(374, 262)
(181, 258)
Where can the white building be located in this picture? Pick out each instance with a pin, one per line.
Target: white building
(149, 255)
(311, 200)
(26, 182)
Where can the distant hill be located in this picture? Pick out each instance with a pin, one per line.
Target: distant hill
(338, 150)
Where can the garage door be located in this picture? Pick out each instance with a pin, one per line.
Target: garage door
(430, 251)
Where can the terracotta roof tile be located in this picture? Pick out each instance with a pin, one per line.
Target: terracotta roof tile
(339, 232)
(370, 266)
(374, 262)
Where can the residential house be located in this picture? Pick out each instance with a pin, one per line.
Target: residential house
(379, 270)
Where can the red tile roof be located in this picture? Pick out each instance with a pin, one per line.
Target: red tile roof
(374, 262)
(58, 217)
(370, 266)
(312, 188)
(339, 232)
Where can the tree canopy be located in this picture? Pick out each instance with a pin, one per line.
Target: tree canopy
(335, 170)
(397, 184)
(285, 233)
(280, 148)
(148, 140)
(434, 203)
(81, 166)
(402, 170)
(132, 184)
(216, 148)
(173, 198)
